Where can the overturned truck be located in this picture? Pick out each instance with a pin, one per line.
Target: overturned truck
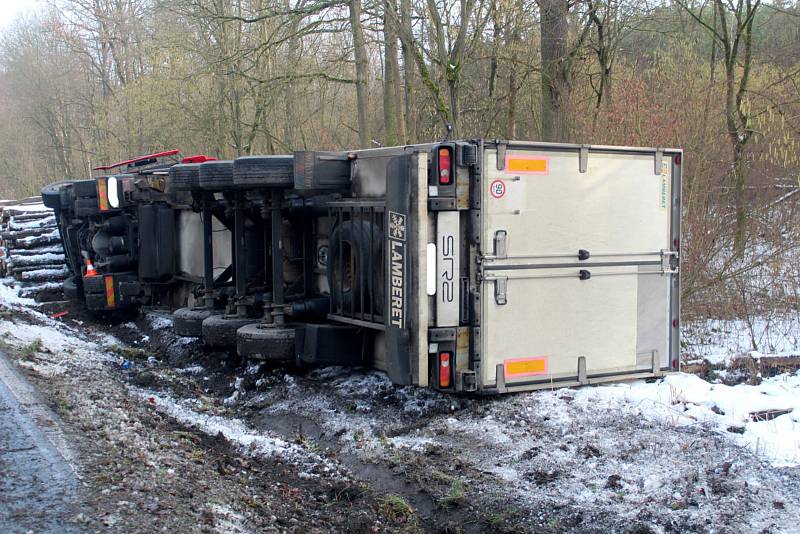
(469, 266)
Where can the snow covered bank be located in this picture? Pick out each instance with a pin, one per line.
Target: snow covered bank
(763, 418)
(248, 440)
(719, 341)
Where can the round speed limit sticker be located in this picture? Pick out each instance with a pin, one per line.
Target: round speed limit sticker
(498, 188)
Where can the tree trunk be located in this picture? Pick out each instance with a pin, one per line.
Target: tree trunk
(362, 74)
(739, 183)
(392, 97)
(409, 74)
(555, 82)
(511, 116)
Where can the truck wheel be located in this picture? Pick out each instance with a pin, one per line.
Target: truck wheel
(264, 171)
(266, 342)
(216, 175)
(188, 322)
(350, 247)
(184, 177)
(219, 331)
(51, 194)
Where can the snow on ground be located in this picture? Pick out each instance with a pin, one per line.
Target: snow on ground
(665, 452)
(50, 348)
(159, 322)
(719, 341)
(248, 440)
(750, 416)
(9, 297)
(50, 345)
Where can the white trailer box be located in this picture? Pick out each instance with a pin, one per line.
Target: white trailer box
(518, 265)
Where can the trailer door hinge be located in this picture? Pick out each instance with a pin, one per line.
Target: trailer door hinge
(659, 159)
(583, 159)
(500, 244)
(501, 156)
(501, 290)
(669, 261)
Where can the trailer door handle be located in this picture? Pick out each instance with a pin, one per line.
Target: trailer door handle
(501, 291)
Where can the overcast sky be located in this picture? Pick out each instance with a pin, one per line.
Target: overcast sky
(11, 9)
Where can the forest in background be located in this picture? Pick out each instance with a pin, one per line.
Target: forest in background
(87, 82)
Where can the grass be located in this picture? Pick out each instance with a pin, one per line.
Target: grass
(455, 495)
(31, 349)
(129, 353)
(494, 519)
(396, 508)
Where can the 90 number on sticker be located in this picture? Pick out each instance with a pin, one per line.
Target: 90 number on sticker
(497, 188)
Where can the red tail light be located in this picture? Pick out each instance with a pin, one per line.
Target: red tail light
(444, 369)
(445, 166)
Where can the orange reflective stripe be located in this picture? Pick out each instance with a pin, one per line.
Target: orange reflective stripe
(527, 164)
(102, 194)
(111, 298)
(520, 367)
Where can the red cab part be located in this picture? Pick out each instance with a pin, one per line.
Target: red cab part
(445, 165)
(445, 369)
(140, 161)
(200, 158)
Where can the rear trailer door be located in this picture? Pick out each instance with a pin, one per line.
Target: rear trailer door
(579, 264)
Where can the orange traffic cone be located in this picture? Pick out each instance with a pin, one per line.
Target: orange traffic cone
(90, 270)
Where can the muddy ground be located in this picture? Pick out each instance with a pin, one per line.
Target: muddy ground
(170, 437)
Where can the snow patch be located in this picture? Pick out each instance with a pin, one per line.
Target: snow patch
(683, 399)
(159, 322)
(245, 438)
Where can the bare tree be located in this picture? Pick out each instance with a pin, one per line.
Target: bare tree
(733, 30)
(362, 74)
(441, 64)
(558, 61)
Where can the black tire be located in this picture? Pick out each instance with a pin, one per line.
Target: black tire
(85, 188)
(266, 342)
(264, 171)
(86, 207)
(349, 249)
(51, 194)
(216, 175)
(219, 331)
(73, 288)
(188, 322)
(184, 177)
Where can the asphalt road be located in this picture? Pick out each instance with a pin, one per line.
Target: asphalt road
(38, 486)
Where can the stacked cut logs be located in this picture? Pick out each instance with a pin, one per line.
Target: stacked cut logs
(30, 248)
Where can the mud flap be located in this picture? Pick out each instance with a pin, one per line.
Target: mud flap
(325, 344)
(111, 291)
(156, 242)
(398, 279)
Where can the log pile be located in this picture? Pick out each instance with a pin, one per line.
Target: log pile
(31, 255)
